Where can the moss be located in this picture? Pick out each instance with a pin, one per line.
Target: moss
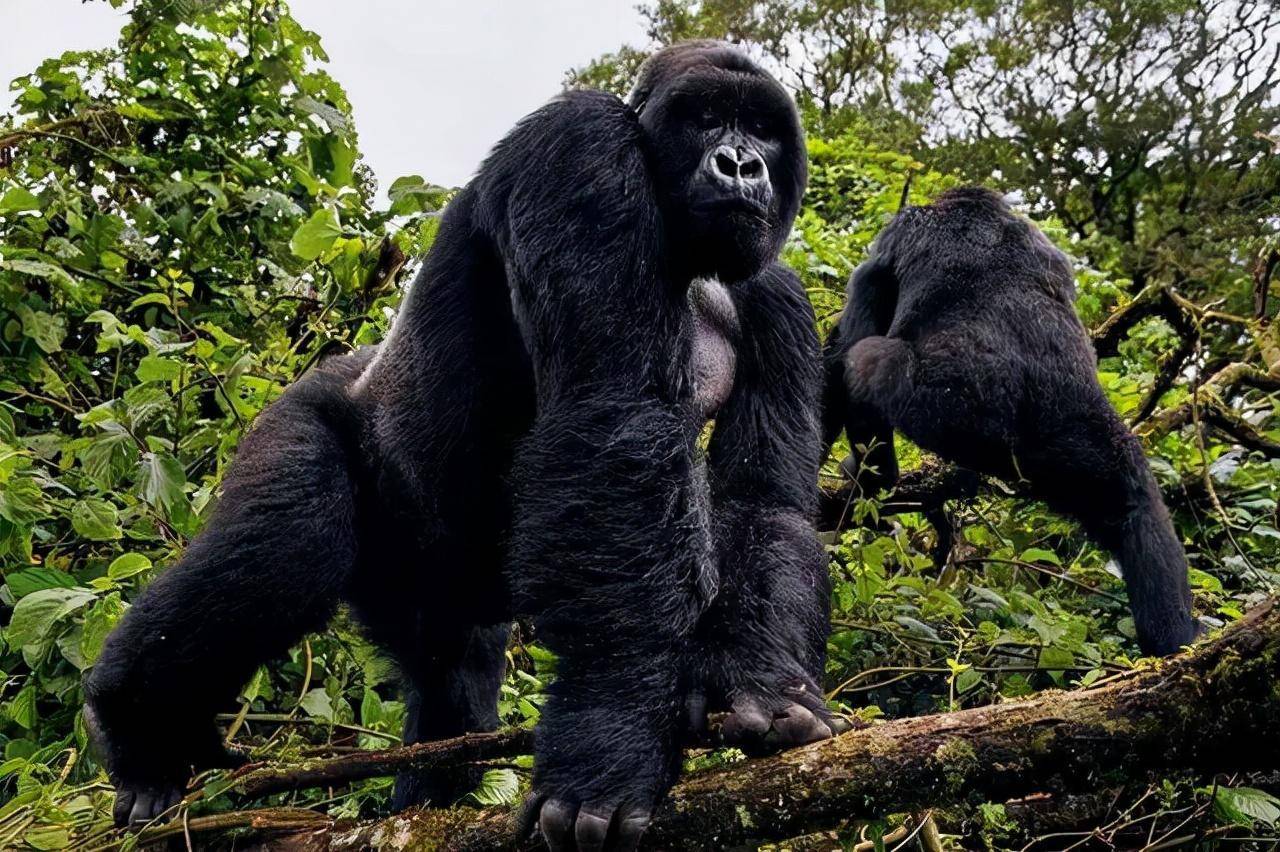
(882, 746)
(958, 761)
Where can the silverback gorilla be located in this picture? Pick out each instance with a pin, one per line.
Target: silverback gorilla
(960, 332)
(604, 286)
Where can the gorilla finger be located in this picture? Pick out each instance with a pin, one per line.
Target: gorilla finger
(593, 827)
(839, 725)
(123, 807)
(527, 819)
(816, 703)
(556, 823)
(144, 808)
(799, 726)
(806, 697)
(749, 720)
(171, 800)
(632, 822)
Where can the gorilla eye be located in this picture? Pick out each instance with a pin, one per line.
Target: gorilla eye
(759, 126)
(707, 119)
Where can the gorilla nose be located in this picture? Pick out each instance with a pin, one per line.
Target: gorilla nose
(738, 166)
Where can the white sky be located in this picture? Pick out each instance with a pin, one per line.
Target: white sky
(433, 85)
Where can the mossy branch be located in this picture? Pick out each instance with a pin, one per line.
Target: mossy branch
(1206, 710)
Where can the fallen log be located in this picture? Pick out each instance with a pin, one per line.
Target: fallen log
(1211, 709)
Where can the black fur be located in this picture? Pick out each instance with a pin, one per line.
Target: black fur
(960, 333)
(558, 348)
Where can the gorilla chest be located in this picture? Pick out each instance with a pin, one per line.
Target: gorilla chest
(713, 353)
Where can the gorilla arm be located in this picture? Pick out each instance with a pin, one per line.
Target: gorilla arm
(762, 644)
(872, 299)
(608, 538)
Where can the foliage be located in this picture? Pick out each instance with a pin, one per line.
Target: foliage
(186, 226)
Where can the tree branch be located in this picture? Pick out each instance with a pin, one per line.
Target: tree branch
(1204, 711)
(1214, 392)
(255, 780)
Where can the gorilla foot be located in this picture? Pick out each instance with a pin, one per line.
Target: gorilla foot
(590, 827)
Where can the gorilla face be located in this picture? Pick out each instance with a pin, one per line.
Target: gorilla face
(728, 152)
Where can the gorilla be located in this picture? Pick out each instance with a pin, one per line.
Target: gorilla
(960, 332)
(525, 443)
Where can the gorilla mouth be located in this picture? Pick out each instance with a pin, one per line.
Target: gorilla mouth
(730, 204)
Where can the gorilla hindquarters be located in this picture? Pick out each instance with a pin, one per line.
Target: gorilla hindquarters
(556, 341)
(960, 333)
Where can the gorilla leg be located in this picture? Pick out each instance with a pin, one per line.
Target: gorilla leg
(453, 692)
(268, 568)
(1094, 468)
(879, 374)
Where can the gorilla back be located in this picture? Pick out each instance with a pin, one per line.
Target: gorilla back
(557, 347)
(960, 332)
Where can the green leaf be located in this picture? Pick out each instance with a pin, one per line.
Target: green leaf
(18, 200)
(138, 111)
(45, 836)
(1056, 659)
(343, 157)
(1039, 554)
(411, 194)
(96, 520)
(21, 500)
(28, 580)
(332, 118)
(316, 235)
(36, 615)
(1245, 806)
(127, 565)
(22, 709)
(370, 709)
(153, 368)
(109, 456)
(497, 787)
(160, 479)
(967, 680)
(149, 299)
(99, 620)
(317, 704)
(46, 330)
(39, 269)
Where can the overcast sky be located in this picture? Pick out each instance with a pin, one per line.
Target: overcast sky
(433, 84)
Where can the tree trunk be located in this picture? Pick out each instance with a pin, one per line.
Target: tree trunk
(1215, 708)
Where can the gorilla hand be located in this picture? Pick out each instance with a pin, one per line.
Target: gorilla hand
(153, 781)
(762, 721)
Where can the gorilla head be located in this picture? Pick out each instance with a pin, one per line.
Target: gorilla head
(726, 148)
